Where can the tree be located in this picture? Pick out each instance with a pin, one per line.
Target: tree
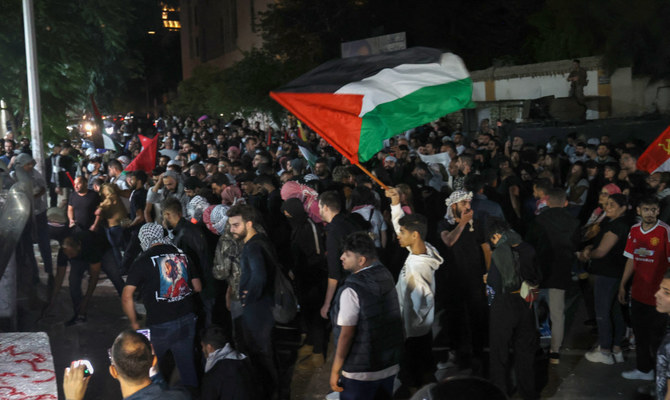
(81, 50)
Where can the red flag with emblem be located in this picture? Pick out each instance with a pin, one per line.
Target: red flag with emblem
(657, 156)
(146, 160)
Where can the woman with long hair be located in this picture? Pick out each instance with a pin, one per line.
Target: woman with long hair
(114, 213)
(607, 263)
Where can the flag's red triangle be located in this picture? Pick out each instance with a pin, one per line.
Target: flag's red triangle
(333, 116)
(656, 154)
(146, 160)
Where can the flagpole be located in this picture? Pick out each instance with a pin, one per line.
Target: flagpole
(374, 178)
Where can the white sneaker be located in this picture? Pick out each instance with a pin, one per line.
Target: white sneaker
(638, 375)
(598, 356)
(618, 357)
(333, 396)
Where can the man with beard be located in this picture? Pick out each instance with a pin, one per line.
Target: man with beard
(467, 310)
(167, 185)
(257, 264)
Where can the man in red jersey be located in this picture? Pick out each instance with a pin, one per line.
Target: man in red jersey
(648, 253)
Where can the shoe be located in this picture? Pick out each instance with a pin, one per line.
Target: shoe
(598, 356)
(76, 320)
(305, 351)
(554, 358)
(312, 362)
(333, 396)
(618, 357)
(638, 375)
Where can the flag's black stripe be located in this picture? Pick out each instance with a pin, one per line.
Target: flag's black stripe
(329, 77)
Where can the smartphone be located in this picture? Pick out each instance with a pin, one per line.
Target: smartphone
(88, 371)
(146, 333)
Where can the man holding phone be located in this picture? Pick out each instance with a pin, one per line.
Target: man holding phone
(131, 359)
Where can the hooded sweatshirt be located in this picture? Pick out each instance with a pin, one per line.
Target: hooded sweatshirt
(416, 285)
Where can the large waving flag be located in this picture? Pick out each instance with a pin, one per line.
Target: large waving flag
(657, 156)
(356, 103)
(146, 160)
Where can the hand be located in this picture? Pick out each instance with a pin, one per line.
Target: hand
(58, 190)
(72, 223)
(74, 383)
(324, 311)
(485, 278)
(622, 295)
(93, 228)
(135, 325)
(392, 193)
(334, 379)
(466, 217)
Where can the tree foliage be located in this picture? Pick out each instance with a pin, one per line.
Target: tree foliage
(81, 50)
(626, 34)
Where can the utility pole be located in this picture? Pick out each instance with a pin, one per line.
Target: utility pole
(33, 86)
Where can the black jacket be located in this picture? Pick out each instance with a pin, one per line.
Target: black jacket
(555, 235)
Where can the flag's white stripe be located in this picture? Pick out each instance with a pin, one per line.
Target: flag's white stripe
(393, 83)
(665, 167)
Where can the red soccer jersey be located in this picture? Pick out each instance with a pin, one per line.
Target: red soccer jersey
(650, 251)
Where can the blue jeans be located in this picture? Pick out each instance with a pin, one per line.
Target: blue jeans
(178, 336)
(611, 327)
(367, 390)
(115, 237)
(77, 269)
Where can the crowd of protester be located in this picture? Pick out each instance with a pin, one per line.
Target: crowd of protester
(471, 227)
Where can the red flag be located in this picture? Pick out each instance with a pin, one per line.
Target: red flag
(657, 156)
(146, 160)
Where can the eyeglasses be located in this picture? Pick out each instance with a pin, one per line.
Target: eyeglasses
(109, 354)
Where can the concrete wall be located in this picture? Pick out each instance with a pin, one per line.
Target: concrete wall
(630, 96)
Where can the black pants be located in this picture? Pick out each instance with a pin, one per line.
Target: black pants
(512, 326)
(649, 328)
(417, 360)
(467, 317)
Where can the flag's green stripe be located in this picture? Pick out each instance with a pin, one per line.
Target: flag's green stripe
(420, 107)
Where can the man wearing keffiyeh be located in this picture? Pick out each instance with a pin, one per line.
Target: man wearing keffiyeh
(463, 292)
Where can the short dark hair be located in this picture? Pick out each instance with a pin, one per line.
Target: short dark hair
(115, 164)
(220, 179)
(215, 336)
(362, 196)
(172, 204)
(474, 183)
(543, 184)
(415, 223)
(246, 211)
(265, 180)
(360, 243)
(132, 356)
(633, 152)
(649, 201)
(556, 196)
(331, 200)
(140, 175)
(496, 225)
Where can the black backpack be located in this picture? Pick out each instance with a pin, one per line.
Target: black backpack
(285, 301)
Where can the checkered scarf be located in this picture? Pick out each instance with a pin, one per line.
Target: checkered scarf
(150, 234)
(455, 197)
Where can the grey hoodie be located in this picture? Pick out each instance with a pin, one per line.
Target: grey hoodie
(416, 285)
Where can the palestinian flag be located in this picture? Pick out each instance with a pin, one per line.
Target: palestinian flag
(356, 103)
(657, 156)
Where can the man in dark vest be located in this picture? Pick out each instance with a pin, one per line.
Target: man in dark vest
(366, 310)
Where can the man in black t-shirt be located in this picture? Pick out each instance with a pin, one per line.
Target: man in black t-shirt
(167, 281)
(90, 251)
(82, 205)
(138, 201)
(465, 261)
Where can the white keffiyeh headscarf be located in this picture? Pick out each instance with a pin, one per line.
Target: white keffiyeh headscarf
(150, 234)
(455, 197)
